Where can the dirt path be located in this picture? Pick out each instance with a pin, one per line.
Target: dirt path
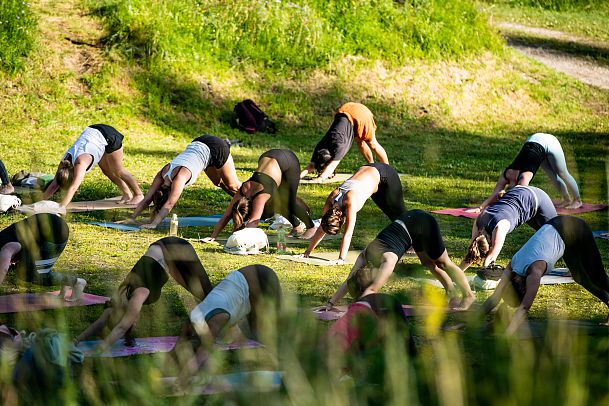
(587, 70)
(73, 39)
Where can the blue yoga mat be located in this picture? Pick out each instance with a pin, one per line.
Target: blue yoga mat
(601, 234)
(203, 221)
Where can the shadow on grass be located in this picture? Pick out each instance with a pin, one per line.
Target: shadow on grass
(577, 49)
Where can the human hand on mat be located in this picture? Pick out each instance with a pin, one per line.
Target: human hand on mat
(210, 240)
(149, 226)
(473, 210)
(303, 255)
(338, 261)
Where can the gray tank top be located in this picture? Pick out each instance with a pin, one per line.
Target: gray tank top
(545, 245)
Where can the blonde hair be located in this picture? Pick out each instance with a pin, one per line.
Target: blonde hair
(65, 174)
(478, 249)
(333, 220)
(240, 213)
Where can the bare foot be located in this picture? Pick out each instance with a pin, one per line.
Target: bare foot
(466, 302)
(454, 303)
(298, 231)
(7, 189)
(308, 234)
(77, 290)
(124, 199)
(136, 199)
(575, 204)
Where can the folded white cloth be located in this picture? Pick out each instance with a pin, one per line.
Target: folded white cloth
(43, 206)
(8, 202)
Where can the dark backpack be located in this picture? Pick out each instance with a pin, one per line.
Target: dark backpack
(492, 272)
(248, 117)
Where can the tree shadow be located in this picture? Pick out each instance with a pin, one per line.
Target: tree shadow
(577, 49)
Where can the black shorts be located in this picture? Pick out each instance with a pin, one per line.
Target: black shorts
(219, 149)
(337, 140)
(425, 233)
(112, 137)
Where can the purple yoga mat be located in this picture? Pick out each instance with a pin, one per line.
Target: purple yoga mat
(29, 302)
(586, 207)
(457, 213)
(149, 345)
(338, 311)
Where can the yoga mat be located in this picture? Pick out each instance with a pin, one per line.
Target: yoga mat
(409, 310)
(601, 234)
(273, 239)
(457, 213)
(29, 302)
(103, 204)
(338, 178)
(201, 221)
(245, 381)
(586, 207)
(322, 258)
(149, 345)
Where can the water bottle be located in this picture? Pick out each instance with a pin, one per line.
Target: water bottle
(173, 226)
(281, 243)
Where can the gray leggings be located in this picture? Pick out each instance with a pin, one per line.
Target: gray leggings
(555, 166)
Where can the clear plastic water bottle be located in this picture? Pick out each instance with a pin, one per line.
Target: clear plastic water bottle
(173, 226)
(281, 242)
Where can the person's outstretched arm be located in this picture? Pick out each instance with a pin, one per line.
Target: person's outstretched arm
(177, 187)
(80, 169)
(501, 184)
(360, 262)
(350, 219)
(499, 234)
(96, 327)
(315, 240)
(50, 190)
(131, 315)
(257, 209)
(224, 219)
(388, 262)
(493, 300)
(532, 286)
(156, 184)
(307, 170)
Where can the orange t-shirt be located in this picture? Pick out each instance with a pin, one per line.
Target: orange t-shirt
(361, 118)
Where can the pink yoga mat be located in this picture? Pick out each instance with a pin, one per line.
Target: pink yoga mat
(149, 345)
(586, 207)
(29, 302)
(339, 311)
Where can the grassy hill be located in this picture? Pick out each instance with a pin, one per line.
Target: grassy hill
(452, 105)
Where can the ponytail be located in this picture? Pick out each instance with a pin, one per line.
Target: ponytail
(478, 249)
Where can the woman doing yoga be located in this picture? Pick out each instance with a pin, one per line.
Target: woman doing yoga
(378, 181)
(271, 189)
(374, 266)
(170, 256)
(97, 144)
(352, 120)
(207, 153)
(563, 236)
(521, 204)
(249, 298)
(32, 246)
(539, 150)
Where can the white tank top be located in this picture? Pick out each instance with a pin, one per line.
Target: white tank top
(195, 158)
(346, 186)
(90, 141)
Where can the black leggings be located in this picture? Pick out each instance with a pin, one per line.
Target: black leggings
(286, 202)
(4, 174)
(389, 196)
(582, 256)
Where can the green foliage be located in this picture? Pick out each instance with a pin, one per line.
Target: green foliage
(17, 25)
(308, 34)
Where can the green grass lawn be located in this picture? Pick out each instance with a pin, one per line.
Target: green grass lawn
(451, 124)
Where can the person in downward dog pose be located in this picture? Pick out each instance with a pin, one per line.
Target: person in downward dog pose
(519, 205)
(374, 266)
(352, 120)
(32, 246)
(539, 150)
(169, 256)
(271, 189)
(97, 144)
(206, 153)
(248, 298)
(378, 181)
(563, 236)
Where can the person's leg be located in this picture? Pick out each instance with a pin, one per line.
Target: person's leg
(458, 276)
(6, 187)
(440, 275)
(64, 280)
(228, 175)
(290, 179)
(378, 150)
(112, 166)
(556, 181)
(364, 148)
(558, 163)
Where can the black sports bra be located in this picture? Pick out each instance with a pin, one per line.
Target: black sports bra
(268, 183)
